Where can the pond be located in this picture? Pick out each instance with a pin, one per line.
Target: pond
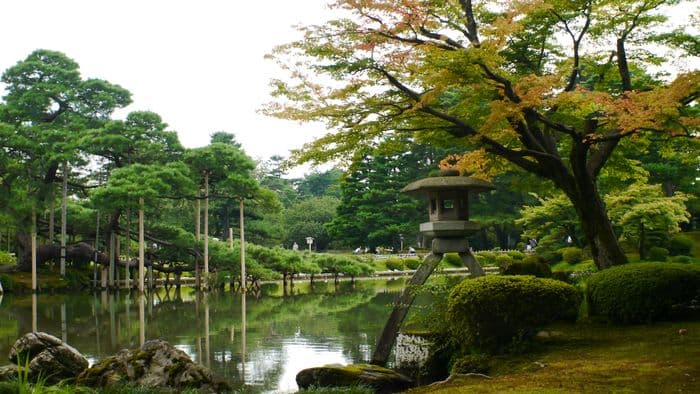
(258, 342)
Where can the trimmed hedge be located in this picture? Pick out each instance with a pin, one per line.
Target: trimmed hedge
(572, 255)
(643, 292)
(680, 245)
(412, 263)
(491, 313)
(394, 264)
(657, 253)
(534, 267)
(452, 259)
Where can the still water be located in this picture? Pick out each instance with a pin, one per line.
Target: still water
(260, 342)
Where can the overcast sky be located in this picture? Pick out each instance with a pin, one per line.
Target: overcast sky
(199, 64)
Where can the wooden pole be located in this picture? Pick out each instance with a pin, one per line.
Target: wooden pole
(141, 247)
(206, 230)
(127, 272)
(97, 244)
(198, 237)
(243, 274)
(33, 246)
(64, 208)
(112, 252)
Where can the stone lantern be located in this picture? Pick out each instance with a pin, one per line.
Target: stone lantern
(448, 209)
(449, 226)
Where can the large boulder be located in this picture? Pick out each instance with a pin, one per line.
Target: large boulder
(47, 357)
(382, 380)
(155, 364)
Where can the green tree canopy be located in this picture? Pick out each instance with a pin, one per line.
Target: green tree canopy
(549, 87)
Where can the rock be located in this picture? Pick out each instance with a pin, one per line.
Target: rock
(47, 357)
(8, 372)
(155, 364)
(383, 380)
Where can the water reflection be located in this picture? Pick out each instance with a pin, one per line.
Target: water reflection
(260, 342)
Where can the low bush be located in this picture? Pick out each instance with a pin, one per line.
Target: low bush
(656, 253)
(486, 257)
(572, 255)
(516, 254)
(682, 259)
(394, 264)
(493, 313)
(412, 263)
(7, 259)
(564, 276)
(643, 292)
(533, 267)
(551, 256)
(503, 260)
(452, 259)
(680, 245)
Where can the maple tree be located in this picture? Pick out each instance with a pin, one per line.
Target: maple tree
(549, 87)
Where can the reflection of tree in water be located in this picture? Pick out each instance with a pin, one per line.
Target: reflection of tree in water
(345, 318)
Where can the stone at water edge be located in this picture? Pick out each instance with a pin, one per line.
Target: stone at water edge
(8, 372)
(383, 380)
(155, 364)
(47, 357)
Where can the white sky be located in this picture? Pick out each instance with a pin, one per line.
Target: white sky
(198, 64)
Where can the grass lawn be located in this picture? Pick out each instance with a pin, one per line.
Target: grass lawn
(596, 358)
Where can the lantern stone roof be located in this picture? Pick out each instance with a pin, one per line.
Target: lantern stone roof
(445, 183)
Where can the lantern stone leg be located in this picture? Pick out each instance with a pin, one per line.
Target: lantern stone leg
(401, 305)
(469, 261)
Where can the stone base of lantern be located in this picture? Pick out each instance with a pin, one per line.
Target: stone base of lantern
(449, 245)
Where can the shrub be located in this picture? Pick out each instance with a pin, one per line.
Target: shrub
(533, 267)
(486, 258)
(551, 256)
(516, 254)
(490, 313)
(452, 259)
(7, 259)
(564, 276)
(682, 259)
(503, 260)
(412, 263)
(643, 292)
(680, 245)
(572, 255)
(656, 253)
(394, 264)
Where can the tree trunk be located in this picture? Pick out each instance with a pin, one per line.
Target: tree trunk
(642, 242)
(242, 230)
(602, 241)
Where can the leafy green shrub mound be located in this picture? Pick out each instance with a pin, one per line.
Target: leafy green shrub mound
(680, 245)
(412, 263)
(516, 254)
(486, 257)
(490, 313)
(682, 259)
(394, 264)
(503, 260)
(572, 255)
(657, 253)
(643, 292)
(7, 259)
(534, 267)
